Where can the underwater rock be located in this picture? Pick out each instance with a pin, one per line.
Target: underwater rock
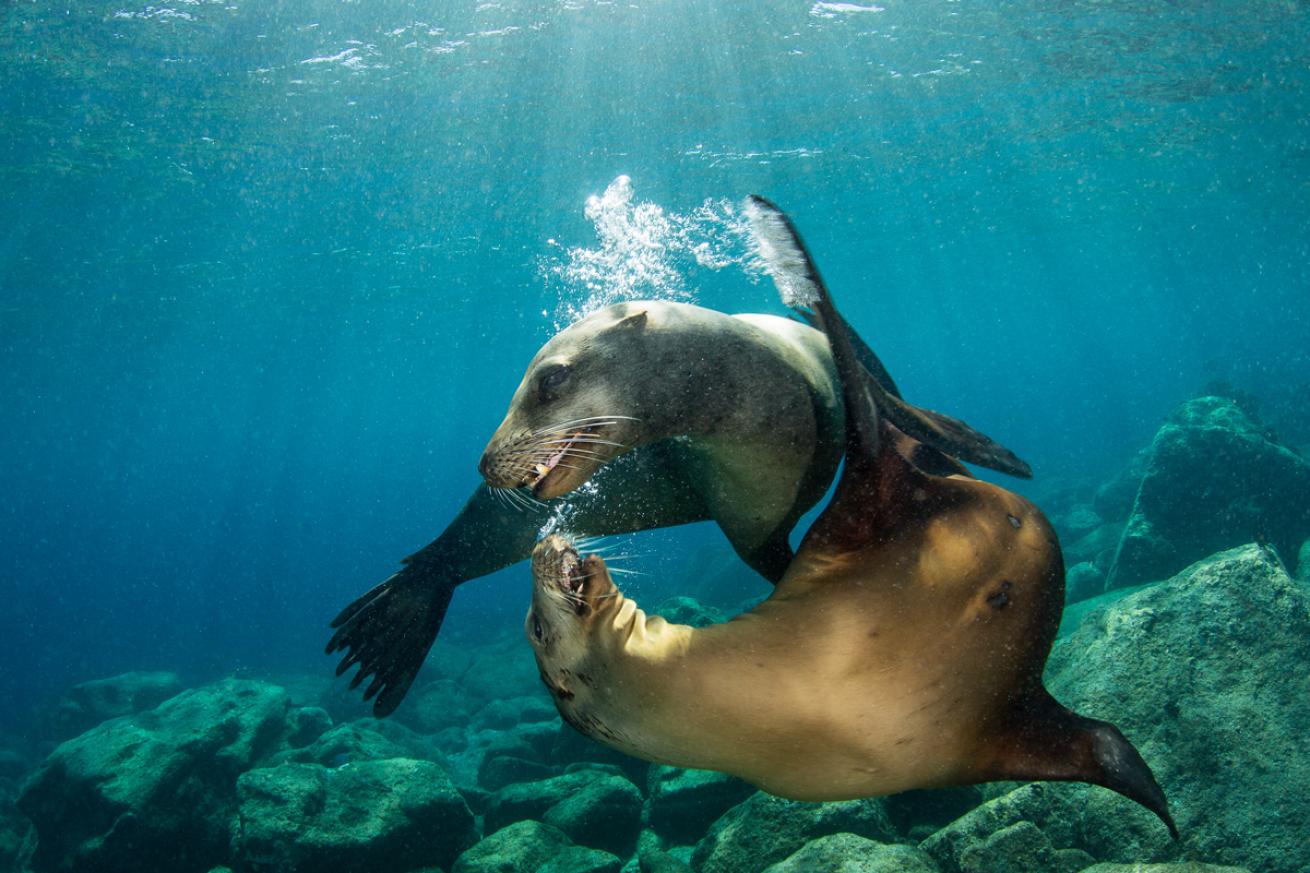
(1214, 479)
(1082, 581)
(1020, 848)
(345, 743)
(1077, 522)
(1114, 499)
(1209, 675)
(1187, 867)
(90, 703)
(605, 813)
(504, 714)
(305, 725)
(656, 860)
(848, 853)
(502, 770)
(1096, 548)
(689, 610)
(533, 847)
(962, 845)
(682, 803)
(918, 814)
(531, 800)
(397, 814)
(766, 829)
(13, 765)
(1303, 562)
(436, 706)
(154, 790)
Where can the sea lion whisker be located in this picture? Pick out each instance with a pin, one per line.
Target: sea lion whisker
(590, 421)
(511, 495)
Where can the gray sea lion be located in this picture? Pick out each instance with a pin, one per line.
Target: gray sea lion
(686, 414)
(903, 647)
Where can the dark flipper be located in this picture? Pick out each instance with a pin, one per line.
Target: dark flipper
(944, 433)
(389, 631)
(1047, 741)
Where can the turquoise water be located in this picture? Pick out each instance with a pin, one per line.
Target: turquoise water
(269, 272)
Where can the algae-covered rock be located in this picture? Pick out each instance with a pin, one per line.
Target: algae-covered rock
(1082, 582)
(90, 703)
(766, 829)
(594, 807)
(397, 814)
(682, 803)
(1303, 562)
(530, 800)
(1208, 674)
(533, 847)
(1019, 848)
(605, 813)
(689, 611)
(848, 853)
(1187, 867)
(962, 846)
(155, 790)
(1214, 479)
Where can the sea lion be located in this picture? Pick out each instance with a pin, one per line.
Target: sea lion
(903, 647)
(688, 414)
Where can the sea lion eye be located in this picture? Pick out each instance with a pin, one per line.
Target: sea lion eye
(537, 632)
(551, 381)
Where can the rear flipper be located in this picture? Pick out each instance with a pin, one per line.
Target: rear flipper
(389, 631)
(1044, 740)
(798, 280)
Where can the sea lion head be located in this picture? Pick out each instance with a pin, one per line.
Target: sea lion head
(574, 411)
(571, 597)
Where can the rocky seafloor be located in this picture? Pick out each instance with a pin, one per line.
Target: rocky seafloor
(1189, 627)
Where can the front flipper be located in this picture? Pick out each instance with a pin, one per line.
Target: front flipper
(388, 631)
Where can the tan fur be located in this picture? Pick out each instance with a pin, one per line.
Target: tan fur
(865, 673)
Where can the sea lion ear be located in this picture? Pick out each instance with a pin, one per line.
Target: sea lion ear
(636, 321)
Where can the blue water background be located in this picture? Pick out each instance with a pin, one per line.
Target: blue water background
(269, 273)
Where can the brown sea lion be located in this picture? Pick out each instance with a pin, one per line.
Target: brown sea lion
(687, 414)
(903, 647)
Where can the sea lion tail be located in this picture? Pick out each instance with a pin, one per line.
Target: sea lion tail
(1049, 742)
(389, 630)
(801, 288)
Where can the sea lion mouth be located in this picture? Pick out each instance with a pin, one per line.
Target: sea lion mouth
(547, 473)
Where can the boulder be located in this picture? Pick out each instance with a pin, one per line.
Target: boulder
(1303, 562)
(1214, 479)
(690, 611)
(155, 790)
(86, 705)
(1082, 581)
(682, 803)
(1208, 674)
(1114, 499)
(1186, 867)
(962, 846)
(765, 829)
(344, 744)
(605, 813)
(916, 815)
(1096, 547)
(848, 853)
(395, 814)
(530, 800)
(533, 847)
(504, 714)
